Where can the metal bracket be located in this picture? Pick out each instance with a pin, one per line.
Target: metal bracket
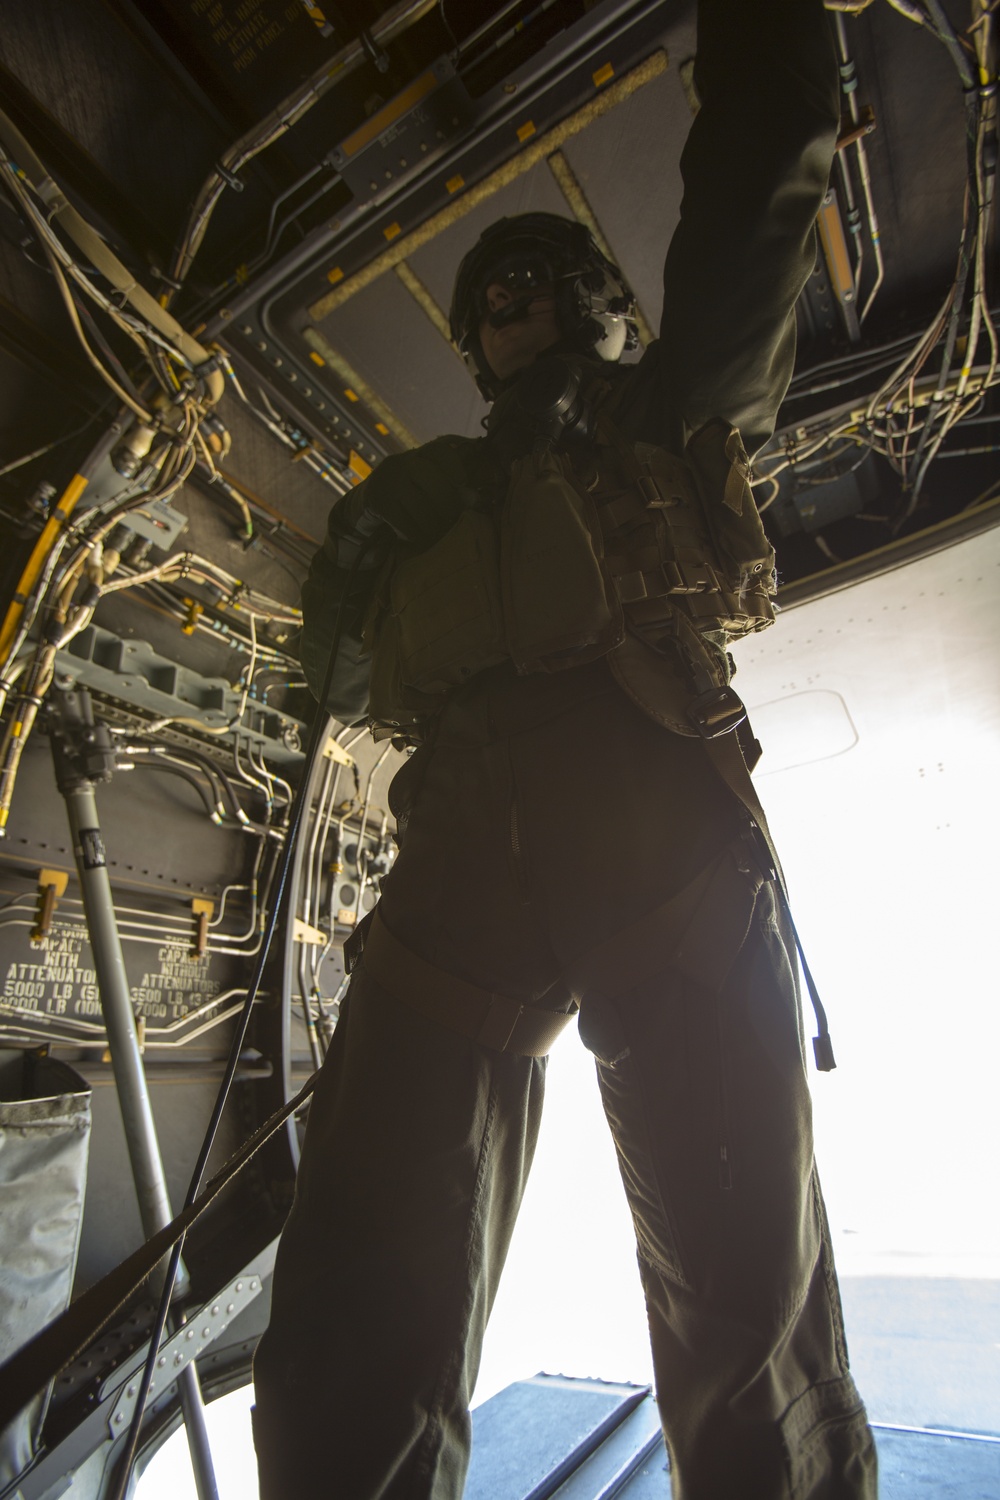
(202, 1329)
(333, 751)
(201, 909)
(51, 885)
(303, 933)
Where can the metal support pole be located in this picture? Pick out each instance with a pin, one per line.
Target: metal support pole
(83, 755)
(116, 1005)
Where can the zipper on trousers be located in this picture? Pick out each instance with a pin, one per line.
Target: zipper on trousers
(725, 1154)
(517, 848)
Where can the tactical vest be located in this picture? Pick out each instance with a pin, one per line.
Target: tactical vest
(601, 548)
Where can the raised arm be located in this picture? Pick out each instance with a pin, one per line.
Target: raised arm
(755, 168)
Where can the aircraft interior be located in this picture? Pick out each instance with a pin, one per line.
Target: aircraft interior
(228, 235)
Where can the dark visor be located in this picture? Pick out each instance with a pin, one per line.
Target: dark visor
(517, 273)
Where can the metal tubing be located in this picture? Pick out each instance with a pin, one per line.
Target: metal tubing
(282, 118)
(849, 84)
(116, 1003)
(193, 1407)
(148, 1174)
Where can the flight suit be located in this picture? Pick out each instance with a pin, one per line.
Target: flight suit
(527, 792)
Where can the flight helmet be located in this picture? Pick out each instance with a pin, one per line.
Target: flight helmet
(595, 308)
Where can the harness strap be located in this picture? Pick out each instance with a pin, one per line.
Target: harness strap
(489, 1019)
(726, 755)
(699, 931)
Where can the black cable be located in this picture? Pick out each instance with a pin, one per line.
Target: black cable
(813, 481)
(84, 313)
(221, 784)
(173, 755)
(317, 733)
(154, 763)
(969, 233)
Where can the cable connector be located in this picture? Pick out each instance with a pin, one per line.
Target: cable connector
(229, 178)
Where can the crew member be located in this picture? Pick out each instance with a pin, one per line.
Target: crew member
(544, 613)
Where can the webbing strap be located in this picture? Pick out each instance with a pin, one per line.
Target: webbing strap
(489, 1019)
(698, 931)
(29, 1371)
(726, 755)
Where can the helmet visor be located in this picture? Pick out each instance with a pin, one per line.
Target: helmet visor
(520, 273)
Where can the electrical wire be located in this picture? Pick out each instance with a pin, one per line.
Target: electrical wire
(910, 414)
(296, 815)
(383, 30)
(173, 769)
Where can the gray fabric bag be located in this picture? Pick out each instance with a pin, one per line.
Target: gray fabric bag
(44, 1146)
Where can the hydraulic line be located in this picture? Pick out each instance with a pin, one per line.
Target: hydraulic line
(61, 212)
(849, 86)
(274, 903)
(390, 25)
(946, 34)
(272, 777)
(508, 35)
(970, 236)
(307, 915)
(171, 769)
(365, 808)
(303, 450)
(221, 786)
(51, 535)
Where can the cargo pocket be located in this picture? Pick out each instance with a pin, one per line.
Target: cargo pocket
(828, 1443)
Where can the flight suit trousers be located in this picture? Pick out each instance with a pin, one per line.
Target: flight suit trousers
(549, 813)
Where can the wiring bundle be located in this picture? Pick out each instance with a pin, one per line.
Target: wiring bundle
(165, 432)
(943, 378)
(327, 850)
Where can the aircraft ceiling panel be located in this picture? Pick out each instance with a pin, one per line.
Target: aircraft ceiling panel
(629, 186)
(388, 338)
(437, 263)
(129, 103)
(916, 152)
(628, 164)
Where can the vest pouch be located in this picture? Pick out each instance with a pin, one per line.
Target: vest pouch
(445, 607)
(393, 705)
(745, 555)
(560, 605)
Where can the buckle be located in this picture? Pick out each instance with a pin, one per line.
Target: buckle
(716, 712)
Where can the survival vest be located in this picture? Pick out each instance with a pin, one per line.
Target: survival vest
(601, 547)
